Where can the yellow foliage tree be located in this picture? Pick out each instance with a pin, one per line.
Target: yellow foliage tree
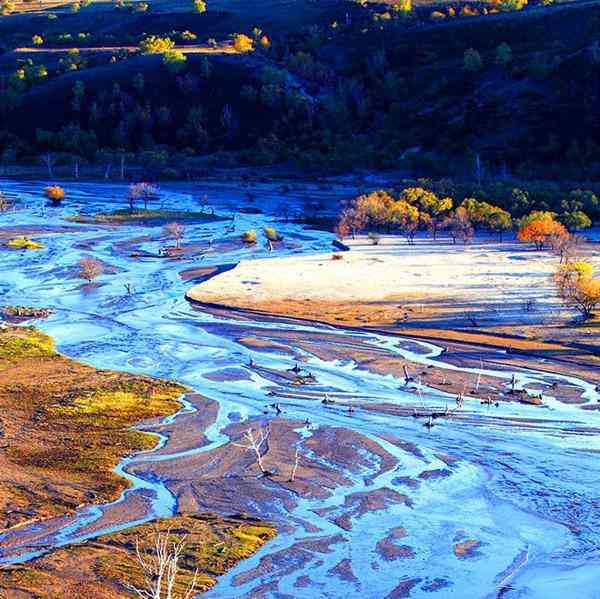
(243, 43)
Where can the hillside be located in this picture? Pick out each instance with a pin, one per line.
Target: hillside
(325, 86)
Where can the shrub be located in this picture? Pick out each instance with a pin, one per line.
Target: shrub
(188, 36)
(89, 269)
(249, 236)
(55, 194)
(24, 243)
(37, 40)
(271, 234)
(75, 7)
(199, 6)
(337, 257)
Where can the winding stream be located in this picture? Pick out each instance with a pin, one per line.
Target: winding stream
(525, 484)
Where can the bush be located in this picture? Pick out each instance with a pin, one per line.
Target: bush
(271, 234)
(249, 236)
(199, 6)
(55, 194)
(37, 40)
(24, 243)
(337, 257)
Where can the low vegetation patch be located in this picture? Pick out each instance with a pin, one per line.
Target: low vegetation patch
(65, 421)
(24, 243)
(108, 566)
(149, 217)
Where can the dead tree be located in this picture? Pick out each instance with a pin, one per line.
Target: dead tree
(255, 443)
(295, 467)
(49, 160)
(161, 569)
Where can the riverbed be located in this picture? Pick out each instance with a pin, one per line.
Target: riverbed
(494, 502)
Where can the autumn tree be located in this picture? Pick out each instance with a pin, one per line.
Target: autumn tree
(575, 220)
(55, 194)
(430, 204)
(174, 60)
(460, 226)
(577, 286)
(351, 221)
(584, 200)
(154, 44)
(242, 43)
(487, 216)
(540, 228)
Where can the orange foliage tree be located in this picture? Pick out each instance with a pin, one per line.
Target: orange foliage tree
(542, 232)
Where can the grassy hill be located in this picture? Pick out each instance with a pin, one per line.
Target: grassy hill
(327, 85)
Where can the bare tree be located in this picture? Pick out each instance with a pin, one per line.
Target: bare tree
(161, 569)
(175, 231)
(296, 462)
(89, 269)
(141, 191)
(255, 443)
(48, 159)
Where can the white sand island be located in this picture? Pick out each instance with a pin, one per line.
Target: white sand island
(501, 278)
